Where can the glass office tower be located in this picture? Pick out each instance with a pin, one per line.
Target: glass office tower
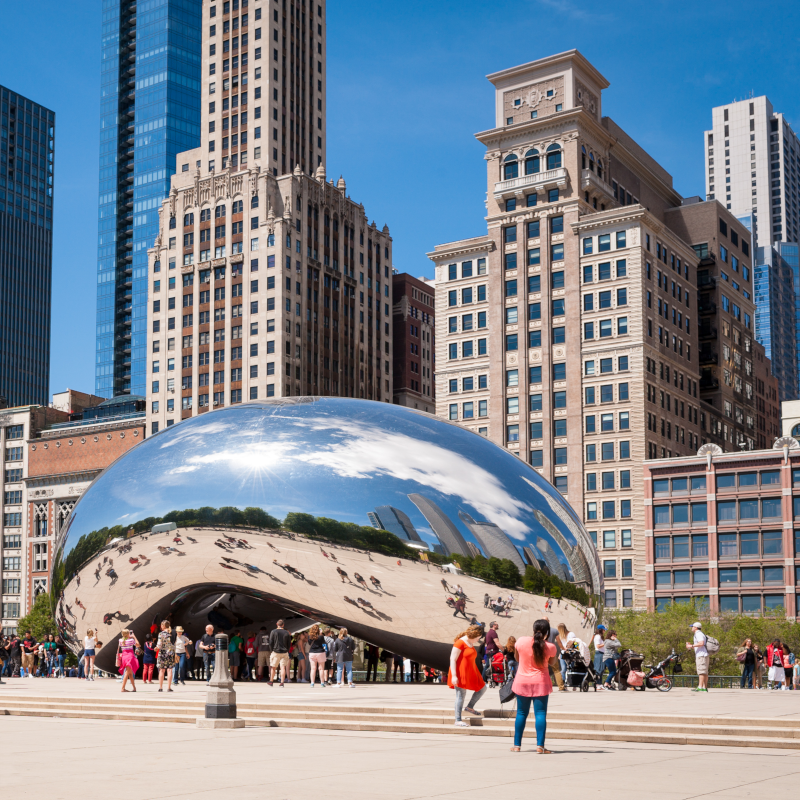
(150, 111)
(27, 152)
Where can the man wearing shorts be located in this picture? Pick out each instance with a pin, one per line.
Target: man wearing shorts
(262, 648)
(279, 641)
(700, 656)
(29, 647)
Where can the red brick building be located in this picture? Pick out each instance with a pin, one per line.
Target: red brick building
(414, 342)
(724, 526)
(62, 460)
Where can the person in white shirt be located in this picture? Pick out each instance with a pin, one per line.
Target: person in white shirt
(599, 654)
(89, 649)
(179, 670)
(700, 655)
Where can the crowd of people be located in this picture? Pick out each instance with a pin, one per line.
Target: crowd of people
(320, 656)
(25, 657)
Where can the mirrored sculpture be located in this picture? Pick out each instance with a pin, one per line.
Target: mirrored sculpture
(313, 509)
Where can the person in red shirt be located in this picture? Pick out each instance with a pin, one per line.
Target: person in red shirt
(464, 675)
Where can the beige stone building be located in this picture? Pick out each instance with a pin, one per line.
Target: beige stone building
(569, 332)
(265, 280)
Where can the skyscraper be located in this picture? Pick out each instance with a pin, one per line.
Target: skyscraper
(568, 328)
(775, 317)
(395, 521)
(313, 316)
(150, 112)
(27, 154)
(494, 541)
(753, 167)
(442, 525)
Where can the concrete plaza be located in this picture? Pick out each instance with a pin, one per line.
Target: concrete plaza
(75, 758)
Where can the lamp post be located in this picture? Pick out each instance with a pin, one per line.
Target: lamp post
(221, 696)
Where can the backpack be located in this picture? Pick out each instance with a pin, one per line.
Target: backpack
(712, 645)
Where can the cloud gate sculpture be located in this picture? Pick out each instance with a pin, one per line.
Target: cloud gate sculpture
(311, 509)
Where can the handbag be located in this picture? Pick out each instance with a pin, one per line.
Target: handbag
(506, 690)
(139, 652)
(116, 662)
(740, 657)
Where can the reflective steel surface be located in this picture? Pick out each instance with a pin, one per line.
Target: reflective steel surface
(298, 508)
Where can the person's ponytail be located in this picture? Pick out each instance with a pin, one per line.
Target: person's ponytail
(541, 632)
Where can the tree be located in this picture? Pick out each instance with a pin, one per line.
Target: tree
(656, 634)
(39, 620)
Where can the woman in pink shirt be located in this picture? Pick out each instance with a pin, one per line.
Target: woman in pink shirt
(532, 682)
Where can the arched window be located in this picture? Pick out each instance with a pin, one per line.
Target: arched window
(554, 156)
(583, 157)
(599, 168)
(796, 431)
(531, 162)
(591, 161)
(510, 167)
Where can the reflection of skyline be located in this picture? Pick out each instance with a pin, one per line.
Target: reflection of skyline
(442, 525)
(395, 521)
(334, 458)
(493, 541)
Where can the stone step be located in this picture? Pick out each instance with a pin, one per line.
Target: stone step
(561, 725)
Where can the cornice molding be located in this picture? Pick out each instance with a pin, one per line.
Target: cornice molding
(460, 249)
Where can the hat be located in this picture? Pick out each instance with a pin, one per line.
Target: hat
(179, 629)
(601, 628)
(696, 625)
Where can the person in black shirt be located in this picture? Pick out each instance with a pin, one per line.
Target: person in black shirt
(279, 641)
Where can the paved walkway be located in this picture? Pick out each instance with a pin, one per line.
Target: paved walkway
(720, 702)
(183, 762)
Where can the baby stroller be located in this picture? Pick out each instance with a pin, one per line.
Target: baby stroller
(630, 671)
(580, 674)
(498, 670)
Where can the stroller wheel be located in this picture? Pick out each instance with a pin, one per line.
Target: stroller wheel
(585, 686)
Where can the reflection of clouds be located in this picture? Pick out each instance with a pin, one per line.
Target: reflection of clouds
(336, 458)
(364, 450)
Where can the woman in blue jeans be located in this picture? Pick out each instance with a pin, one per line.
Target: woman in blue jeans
(532, 684)
(611, 648)
(748, 665)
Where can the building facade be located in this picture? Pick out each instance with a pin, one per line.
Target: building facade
(27, 160)
(721, 528)
(776, 318)
(264, 284)
(414, 335)
(63, 460)
(572, 327)
(739, 406)
(150, 112)
(19, 549)
(753, 167)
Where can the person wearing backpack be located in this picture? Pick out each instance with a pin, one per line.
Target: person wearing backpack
(343, 649)
(700, 655)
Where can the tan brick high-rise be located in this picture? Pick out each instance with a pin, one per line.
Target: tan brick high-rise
(265, 279)
(569, 332)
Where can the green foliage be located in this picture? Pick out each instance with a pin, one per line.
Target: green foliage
(39, 620)
(348, 533)
(501, 571)
(538, 582)
(655, 634)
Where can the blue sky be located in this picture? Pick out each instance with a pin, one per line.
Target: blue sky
(406, 93)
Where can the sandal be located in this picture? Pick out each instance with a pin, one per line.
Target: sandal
(515, 749)
(543, 751)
